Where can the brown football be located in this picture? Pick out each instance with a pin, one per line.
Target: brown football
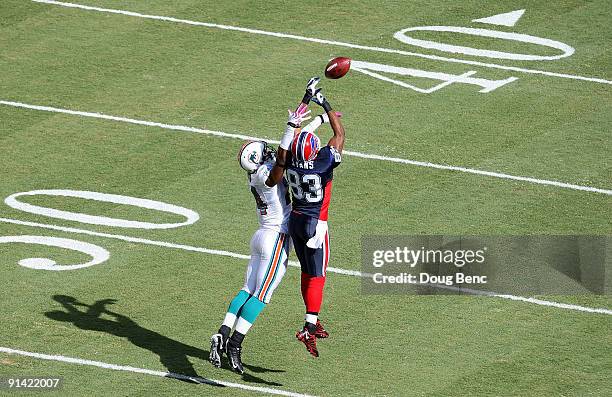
(337, 67)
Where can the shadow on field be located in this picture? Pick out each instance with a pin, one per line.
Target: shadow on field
(174, 355)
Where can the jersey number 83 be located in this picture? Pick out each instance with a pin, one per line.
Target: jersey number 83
(307, 187)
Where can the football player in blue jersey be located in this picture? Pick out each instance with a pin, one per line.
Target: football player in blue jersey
(310, 174)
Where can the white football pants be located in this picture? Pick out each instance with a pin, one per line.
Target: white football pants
(268, 264)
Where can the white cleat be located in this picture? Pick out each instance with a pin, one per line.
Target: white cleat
(216, 350)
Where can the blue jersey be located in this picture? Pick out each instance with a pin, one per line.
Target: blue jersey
(311, 181)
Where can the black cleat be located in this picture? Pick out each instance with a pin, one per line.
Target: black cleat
(321, 333)
(233, 354)
(216, 350)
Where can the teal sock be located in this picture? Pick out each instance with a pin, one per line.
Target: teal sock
(251, 309)
(238, 302)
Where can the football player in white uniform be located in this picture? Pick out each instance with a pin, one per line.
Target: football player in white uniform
(271, 244)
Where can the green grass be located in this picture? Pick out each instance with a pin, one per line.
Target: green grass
(539, 126)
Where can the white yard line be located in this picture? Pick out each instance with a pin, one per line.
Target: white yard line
(115, 367)
(347, 272)
(322, 41)
(347, 152)
(535, 301)
(160, 243)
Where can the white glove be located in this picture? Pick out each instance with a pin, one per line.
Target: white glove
(319, 98)
(311, 86)
(300, 115)
(317, 240)
(295, 119)
(311, 89)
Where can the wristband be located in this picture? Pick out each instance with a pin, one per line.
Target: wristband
(287, 137)
(307, 97)
(326, 106)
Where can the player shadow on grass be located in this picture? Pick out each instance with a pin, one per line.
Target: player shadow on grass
(174, 355)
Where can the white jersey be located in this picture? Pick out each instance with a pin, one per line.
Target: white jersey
(273, 203)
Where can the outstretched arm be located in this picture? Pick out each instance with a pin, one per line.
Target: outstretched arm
(282, 154)
(276, 174)
(337, 141)
(296, 118)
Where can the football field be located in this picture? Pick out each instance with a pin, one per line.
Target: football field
(120, 121)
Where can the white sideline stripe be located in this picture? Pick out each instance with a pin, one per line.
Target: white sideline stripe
(126, 238)
(347, 152)
(145, 371)
(322, 41)
(347, 272)
(480, 172)
(524, 299)
(160, 243)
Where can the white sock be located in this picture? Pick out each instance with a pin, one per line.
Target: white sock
(229, 320)
(243, 326)
(311, 318)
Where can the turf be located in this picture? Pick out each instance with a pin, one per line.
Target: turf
(171, 300)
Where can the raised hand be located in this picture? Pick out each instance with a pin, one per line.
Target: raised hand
(297, 117)
(311, 89)
(320, 100)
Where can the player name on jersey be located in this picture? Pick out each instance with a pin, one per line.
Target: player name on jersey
(306, 165)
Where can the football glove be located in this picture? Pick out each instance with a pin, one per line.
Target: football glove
(320, 100)
(294, 121)
(296, 118)
(311, 89)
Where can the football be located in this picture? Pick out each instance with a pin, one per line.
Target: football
(337, 67)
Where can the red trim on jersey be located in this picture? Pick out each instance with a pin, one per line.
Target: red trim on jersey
(326, 199)
(325, 253)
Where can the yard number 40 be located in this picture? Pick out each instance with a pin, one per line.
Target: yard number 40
(486, 85)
